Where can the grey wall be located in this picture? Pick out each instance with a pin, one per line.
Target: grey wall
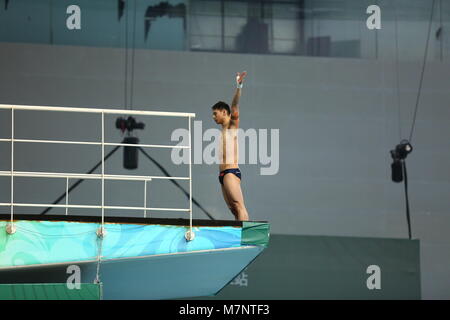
(338, 119)
(324, 267)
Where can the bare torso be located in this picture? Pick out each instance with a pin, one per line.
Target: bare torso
(229, 157)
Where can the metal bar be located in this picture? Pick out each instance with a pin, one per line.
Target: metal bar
(85, 176)
(51, 205)
(145, 198)
(80, 206)
(145, 145)
(95, 143)
(140, 208)
(111, 177)
(98, 110)
(190, 177)
(103, 169)
(57, 141)
(67, 195)
(12, 165)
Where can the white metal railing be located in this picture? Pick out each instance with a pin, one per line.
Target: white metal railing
(94, 143)
(102, 176)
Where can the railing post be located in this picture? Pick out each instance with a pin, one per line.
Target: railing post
(67, 195)
(10, 228)
(101, 232)
(145, 198)
(190, 234)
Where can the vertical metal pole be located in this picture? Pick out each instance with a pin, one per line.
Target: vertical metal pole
(67, 195)
(10, 229)
(190, 176)
(12, 165)
(103, 169)
(101, 232)
(145, 199)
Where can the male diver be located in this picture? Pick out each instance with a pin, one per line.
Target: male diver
(230, 175)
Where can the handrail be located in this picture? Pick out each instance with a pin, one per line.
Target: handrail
(102, 176)
(98, 110)
(85, 206)
(96, 143)
(34, 174)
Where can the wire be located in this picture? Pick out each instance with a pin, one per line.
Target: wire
(126, 56)
(407, 199)
(397, 71)
(440, 28)
(423, 71)
(132, 58)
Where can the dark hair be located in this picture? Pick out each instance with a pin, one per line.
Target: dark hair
(221, 106)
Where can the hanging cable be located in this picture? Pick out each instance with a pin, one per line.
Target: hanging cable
(419, 91)
(126, 58)
(132, 58)
(397, 74)
(439, 32)
(408, 218)
(401, 151)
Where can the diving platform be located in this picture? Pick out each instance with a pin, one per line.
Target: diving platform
(137, 258)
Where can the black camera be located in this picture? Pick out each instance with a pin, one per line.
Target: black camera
(129, 124)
